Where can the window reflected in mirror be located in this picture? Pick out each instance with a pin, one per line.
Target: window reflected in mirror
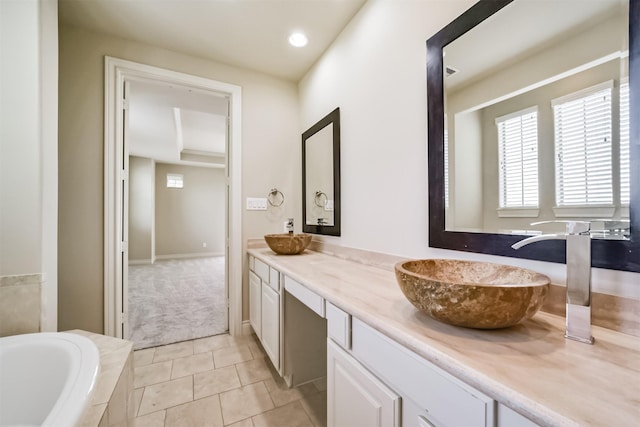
(537, 127)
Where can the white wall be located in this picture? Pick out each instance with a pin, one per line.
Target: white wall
(375, 72)
(28, 145)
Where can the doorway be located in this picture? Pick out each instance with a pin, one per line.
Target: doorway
(119, 76)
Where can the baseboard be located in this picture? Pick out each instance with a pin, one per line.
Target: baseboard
(140, 262)
(246, 328)
(194, 255)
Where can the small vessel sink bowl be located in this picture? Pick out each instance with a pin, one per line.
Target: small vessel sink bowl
(472, 294)
(288, 244)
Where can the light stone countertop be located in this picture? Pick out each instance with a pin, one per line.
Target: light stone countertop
(530, 367)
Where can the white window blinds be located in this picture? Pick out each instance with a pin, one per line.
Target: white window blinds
(518, 162)
(624, 143)
(175, 180)
(582, 124)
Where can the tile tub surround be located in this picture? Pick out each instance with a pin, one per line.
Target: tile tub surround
(530, 367)
(113, 398)
(20, 304)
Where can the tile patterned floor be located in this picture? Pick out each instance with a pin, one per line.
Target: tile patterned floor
(220, 381)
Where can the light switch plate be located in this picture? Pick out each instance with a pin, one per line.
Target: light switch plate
(256, 204)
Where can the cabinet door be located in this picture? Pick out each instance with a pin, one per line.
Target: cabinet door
(255, 297)
(271, 324)
(354, 396)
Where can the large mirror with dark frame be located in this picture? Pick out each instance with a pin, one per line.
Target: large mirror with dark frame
(321, 176)
(534, 116)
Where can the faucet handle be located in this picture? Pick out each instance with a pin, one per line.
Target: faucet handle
(573, 227)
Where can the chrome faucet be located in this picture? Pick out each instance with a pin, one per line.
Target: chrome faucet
(578, 315)
(289, 226)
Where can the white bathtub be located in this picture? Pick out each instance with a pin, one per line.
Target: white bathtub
(46, 379)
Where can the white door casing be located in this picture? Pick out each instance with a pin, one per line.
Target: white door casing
(117, 72)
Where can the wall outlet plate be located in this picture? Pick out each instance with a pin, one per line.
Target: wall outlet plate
(256, 204)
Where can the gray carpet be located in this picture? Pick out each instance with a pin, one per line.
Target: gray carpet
(176, 300)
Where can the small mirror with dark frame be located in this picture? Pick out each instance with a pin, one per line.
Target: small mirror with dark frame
(614, 253)
(321, 176)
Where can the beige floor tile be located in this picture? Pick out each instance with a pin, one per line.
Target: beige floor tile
(316, 407)
(155, 419)
(199, 413)
(282, 395)
(239, 340)
(137, 398)
(215, 381)
(231, 355)
(192, 364)
(165, 395)
(143, 357)
(291, 415)
(173, 351)
(256, 350)
(254, 371)
(245, 402)
(152, 374)
(215, 342)
(243, 423)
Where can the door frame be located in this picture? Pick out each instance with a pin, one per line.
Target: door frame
(117, 71)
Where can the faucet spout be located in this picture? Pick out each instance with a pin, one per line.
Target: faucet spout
(538, 238)
(578, 315)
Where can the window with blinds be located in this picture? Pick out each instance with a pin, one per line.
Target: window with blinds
(518, 158)
(624, 144)
(175, 180)
(582, 124)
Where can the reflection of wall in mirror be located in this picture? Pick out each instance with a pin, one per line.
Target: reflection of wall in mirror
(479, 213)
(319, 176)
(546, 154)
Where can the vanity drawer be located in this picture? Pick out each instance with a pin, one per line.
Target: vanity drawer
(445, 400)
(338, 326)
(262, 270)
(312, 300)
(274, 279)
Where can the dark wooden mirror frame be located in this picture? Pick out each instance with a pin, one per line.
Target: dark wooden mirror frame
(330, 230)
(609, 254)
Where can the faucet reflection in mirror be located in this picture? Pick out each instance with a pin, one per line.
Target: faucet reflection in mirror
(578, 312)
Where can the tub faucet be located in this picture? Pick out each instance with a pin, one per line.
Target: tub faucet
(578, 315)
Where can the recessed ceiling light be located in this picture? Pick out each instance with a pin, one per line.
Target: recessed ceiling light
(298, 39)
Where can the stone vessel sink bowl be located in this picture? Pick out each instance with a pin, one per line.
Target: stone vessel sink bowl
(288, 244)
(472, 294)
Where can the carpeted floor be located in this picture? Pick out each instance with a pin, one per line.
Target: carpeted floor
(176, 300)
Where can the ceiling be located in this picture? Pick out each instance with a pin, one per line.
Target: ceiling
(249, 34)
(175, 124)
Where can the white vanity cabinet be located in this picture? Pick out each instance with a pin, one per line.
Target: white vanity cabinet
(355, 397)
(265, 307)
(377, 372)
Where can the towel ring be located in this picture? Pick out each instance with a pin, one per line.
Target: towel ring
(318, 200)
(274, 196)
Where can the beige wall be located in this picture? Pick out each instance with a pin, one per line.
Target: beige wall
(375, 73)
(187, 218)
(28, 159)
(270, 147)
(141, 209)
